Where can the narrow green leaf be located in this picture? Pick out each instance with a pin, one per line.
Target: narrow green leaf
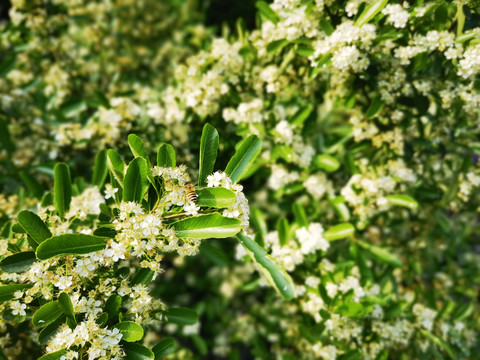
(49, 331)
(32, 184)
(370, 11)
(5, 138)
(134, 351)
(282, 229)
(70, 244)
(353, 309)
(137, 146)
(277, 276)
(112, 306)
(100, 169)
(62, 188)
(340, 208)
(381, 254)
(215, 197)
(375, 107)
(277, 45)
(7, 291)
(181, 316)
(207, 226)
(165, 347)
(143, 276)
(208, 152)
(166, 156)
(46, 314)
(136, 181)
(267, 12)
(54, 355)
(326, 162)
(440, 343)
(116, 166)
(65, 304)
(301, 115)
(339, 231)
(300, 216)
(243, 158)
(130, 330)
(18, 263)
(402, 200)
(34, 226)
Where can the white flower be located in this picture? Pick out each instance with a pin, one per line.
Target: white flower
(215, 179)
(311, 238)
(63, 282)
(116, 251)
(110, 191)
(18, 308)
(191, 208)
(85, 267)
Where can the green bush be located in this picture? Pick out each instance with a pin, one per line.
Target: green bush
(353, 127)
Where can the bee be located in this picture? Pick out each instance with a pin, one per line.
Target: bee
(191, 194)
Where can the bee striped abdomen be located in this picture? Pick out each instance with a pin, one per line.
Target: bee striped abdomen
(191, 194)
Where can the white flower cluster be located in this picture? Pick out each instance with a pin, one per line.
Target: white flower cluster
(239, 209)
(396, 15)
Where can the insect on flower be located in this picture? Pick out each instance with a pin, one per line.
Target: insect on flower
(190, 193)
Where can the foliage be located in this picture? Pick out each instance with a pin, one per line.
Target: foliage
(352, 126)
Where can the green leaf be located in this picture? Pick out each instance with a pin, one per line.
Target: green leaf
(208, 152)
(370, 11)
(116, 165)
(375, 107)
(113, 305)
(143, 276)
(207, 226)
(277, 276)
(49, 331)
(381, 254)
(353, 309)
(7, 291)
(267, 12)
(5, 138)
(53, 356)
(282, 229)
(215, 197)
(300, 216)
(440, 343)
(181, 316)
(70, 244)
(339, 231)
(32, 184)
(301, 115)
(402, 200)
(65, 304)
(18, 263)
(326, 162)
(130, 330)
(137, 147)
(215, 254)
(136, 181)
(340, 208)
(276, 45)
(166, 156)
(62, 188)
(165, 347)
(136, 351)
(243, 158)
(34, 226)
(100, 169)
(47, 314)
